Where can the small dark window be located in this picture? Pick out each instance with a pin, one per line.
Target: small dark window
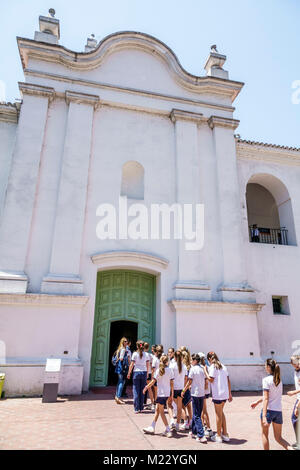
(276, 305)
(281, 305)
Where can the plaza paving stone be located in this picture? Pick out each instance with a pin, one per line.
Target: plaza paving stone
(94, 421)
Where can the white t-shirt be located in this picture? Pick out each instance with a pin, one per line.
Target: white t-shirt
(140, 363)
(155, 363)
(163, 382)
(178, 377)
(149, 356)
(198, 376)
(297, 382)
(275, 393)
(128, 353)
(122, 353)
(219, 387)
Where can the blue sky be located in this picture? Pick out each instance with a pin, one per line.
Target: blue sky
(260, 38)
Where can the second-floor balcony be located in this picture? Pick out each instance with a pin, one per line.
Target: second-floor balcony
(273, 236)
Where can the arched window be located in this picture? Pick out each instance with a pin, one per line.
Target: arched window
(132, 184)
(269, 208)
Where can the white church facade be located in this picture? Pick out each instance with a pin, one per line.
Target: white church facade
(124, 121)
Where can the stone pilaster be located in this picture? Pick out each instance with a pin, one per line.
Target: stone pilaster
(22, 186)
(191, 270)
(64, 276)
(235, 286)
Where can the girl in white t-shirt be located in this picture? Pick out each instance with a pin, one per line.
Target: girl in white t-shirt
(139, 364)
(180, 378)
(158, 352)
(221, 392)
(164, 378)
(205, 416)
(272, 408)
(295, 361)
(196, 380)
(149, 378)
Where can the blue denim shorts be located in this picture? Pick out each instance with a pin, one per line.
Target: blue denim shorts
(273, 417)
(162, 400)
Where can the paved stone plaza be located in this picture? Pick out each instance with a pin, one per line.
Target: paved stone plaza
(95, 421)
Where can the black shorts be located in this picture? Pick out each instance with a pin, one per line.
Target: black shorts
(218, 402)
(177, 393)
(162, 400)
(207, 396)
(149, 377)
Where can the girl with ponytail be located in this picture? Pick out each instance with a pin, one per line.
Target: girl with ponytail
(158, 351)
(180, 378)
(218, 377)
(164, 378)
(139, 364)
(272, 408)
(187, 409)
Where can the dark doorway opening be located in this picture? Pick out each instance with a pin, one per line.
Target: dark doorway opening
(118, 329)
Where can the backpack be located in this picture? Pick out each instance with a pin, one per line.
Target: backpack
(114, 359)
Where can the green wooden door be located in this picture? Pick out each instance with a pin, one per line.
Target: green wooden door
(121, 295)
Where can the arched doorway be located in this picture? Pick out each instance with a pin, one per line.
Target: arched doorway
(122, 296)
(269, 208)
(118, 330)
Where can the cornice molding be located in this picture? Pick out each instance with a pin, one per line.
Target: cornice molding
(9, 113)
(267, 154)
(127, 90)
(36, 90)
(82, 98)
(124, 40)
(218, 121)
(44, 300)
(134, 257)
(182, 305)
(181, 115)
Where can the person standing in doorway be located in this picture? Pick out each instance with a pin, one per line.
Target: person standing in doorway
(121, 369)
(124, 394)
(139, 365)
(254, 234)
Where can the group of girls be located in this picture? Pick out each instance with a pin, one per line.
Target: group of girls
(183, 383)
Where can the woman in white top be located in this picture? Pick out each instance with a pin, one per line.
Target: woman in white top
(180, 378)
(164, 377)
(295, 361)
(139, 364)
(221, 392)
(272, 408)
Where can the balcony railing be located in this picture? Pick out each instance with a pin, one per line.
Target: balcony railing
(273, 236)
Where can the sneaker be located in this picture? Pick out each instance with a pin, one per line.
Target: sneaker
(149, 430)
(172, 425)
(167, 433)
(216, 438)
(136, 411)
(182, 427)
(225, 438)
(208, 433)
(203, 439)
(153, 407)
(191, 435)
(187, 426)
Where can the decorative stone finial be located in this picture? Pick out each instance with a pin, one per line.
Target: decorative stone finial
(91, 43)
(49, 28)
(214, 64)
(51, 12)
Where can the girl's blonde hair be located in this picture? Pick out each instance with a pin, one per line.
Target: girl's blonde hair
(121, 345)
(179, 359)
(295, 359)
(140, 347)
(186, 359)
(275, 371)
(163, 363)
(213, 358)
